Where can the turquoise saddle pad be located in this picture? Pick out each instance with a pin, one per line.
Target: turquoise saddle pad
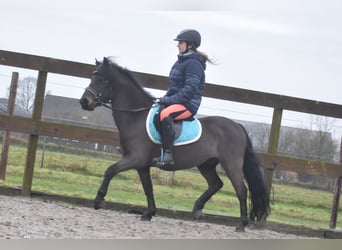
(191, 130)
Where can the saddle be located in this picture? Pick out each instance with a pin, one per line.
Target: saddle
(186, 131)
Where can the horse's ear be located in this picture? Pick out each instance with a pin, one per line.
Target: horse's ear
(97, 62)
(105, 60)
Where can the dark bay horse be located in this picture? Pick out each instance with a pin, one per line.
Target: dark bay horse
(222, 141)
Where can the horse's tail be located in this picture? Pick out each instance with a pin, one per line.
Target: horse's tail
(260, 201)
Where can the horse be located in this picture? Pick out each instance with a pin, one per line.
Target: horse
(222, 141)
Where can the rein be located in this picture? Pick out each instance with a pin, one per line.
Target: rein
(109, 105)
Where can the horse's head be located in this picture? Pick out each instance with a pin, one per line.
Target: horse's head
(99, 89)
(113, 84)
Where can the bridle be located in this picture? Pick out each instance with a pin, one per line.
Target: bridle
(109, 105)
(97, 98)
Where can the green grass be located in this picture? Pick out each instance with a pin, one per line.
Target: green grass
(81, 174)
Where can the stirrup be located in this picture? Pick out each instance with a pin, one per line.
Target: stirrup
(165, 161)
(162, 164)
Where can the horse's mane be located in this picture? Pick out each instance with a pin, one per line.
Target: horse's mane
(130, 76)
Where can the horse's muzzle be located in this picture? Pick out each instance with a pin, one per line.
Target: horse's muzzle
(87, 104)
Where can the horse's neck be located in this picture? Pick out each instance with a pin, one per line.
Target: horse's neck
(127, 95)
(126, 104)
(127, 100)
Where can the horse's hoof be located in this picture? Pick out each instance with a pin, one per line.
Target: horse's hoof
(197, 214)
(147, 216)
(241, 226)
(99, 203)
(240, 229)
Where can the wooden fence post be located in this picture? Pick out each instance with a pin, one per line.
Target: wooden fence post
(336, 199)
(7, 135)
(273, 144)
(33, 139)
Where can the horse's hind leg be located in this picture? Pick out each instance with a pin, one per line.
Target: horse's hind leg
(208, 170)
(241, 192)
(236, 176)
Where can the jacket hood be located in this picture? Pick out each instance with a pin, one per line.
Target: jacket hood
(193, 55)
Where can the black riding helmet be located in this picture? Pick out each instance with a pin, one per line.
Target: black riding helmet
(190, 36)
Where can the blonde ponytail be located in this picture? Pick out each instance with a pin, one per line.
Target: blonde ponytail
(205, 56)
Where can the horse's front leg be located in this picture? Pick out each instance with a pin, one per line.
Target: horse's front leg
(145, 178)
(123, 165)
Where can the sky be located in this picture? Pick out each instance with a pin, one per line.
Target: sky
(287, 47)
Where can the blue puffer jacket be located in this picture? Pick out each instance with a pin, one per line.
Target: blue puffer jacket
(186, 82)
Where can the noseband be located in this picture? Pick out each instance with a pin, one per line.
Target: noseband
(97, 98)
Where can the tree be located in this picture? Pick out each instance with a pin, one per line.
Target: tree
(318, 145)
(259, 134)
(314, 142)
(26, 93)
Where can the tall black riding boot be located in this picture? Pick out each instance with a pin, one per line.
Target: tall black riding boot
(168, 137)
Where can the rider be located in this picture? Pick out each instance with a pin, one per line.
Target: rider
(186, 86)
